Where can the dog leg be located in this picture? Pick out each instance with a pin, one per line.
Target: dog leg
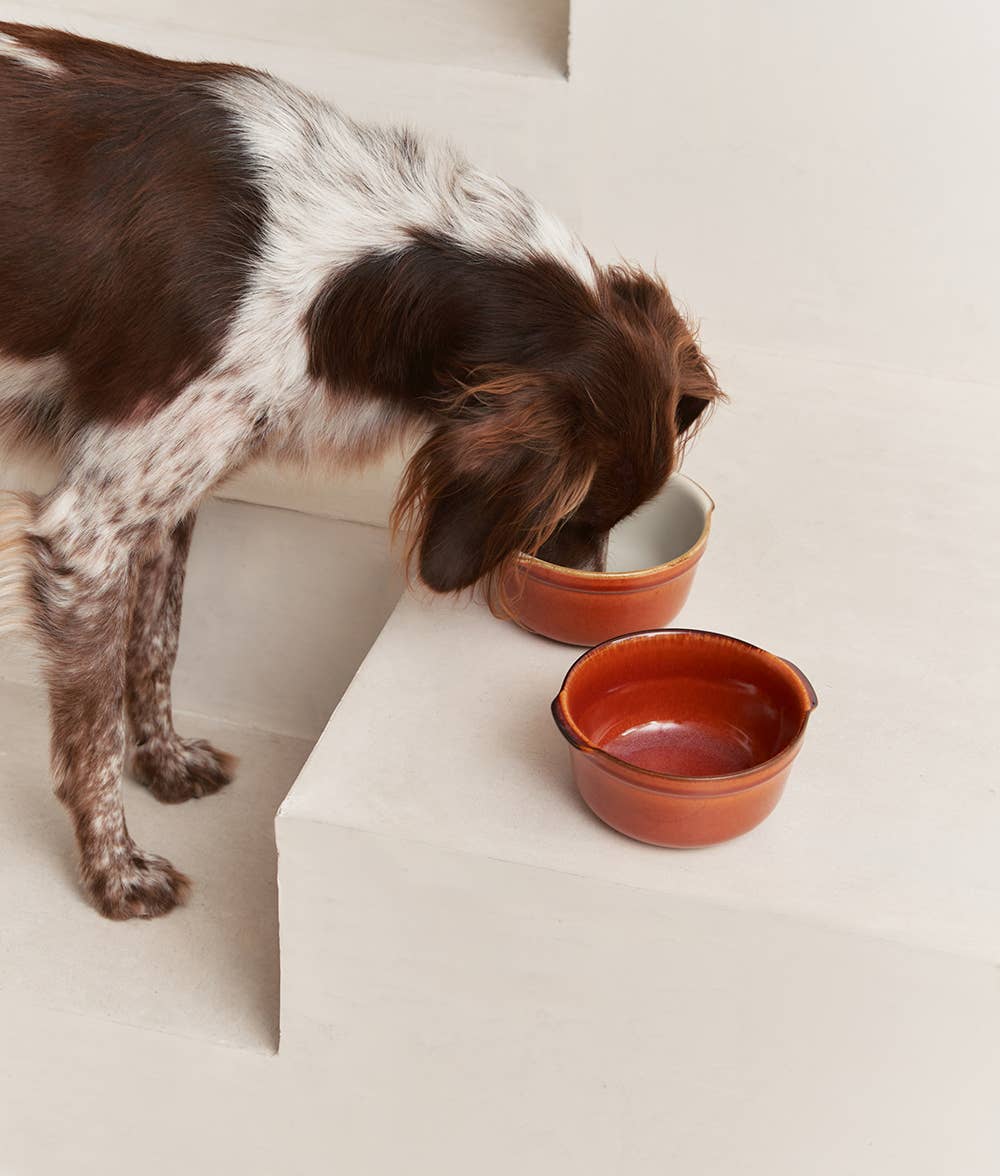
(125, 492)
(172, 768)
(83, 582)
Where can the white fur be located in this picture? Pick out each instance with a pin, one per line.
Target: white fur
(196, 441)
(12, 48)
(320, 218)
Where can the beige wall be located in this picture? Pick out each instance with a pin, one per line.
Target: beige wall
(814, 179)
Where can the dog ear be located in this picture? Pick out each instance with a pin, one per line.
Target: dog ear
(495, 478)
(467, 534)
(642, 294)
(689, 411)
(698, 388)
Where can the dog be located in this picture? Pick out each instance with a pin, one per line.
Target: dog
(201, 266)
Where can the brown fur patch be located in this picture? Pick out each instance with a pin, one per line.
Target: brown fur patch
(129, 215)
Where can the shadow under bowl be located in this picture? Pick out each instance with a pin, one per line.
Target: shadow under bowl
(680, 737)
(652, 557)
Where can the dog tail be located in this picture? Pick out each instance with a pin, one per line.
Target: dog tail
(17, 513)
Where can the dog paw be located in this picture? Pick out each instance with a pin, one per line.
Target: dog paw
(182, 769)
(144, 886)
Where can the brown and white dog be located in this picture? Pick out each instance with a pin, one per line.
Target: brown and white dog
(200, 266)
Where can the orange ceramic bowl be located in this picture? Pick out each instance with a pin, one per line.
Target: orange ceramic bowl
(652, 558)
(682, 738)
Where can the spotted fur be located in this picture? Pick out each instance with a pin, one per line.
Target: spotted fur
(200, 266)
(172, 768)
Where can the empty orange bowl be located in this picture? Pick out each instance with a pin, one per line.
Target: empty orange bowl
(652, 558)
(682, 738)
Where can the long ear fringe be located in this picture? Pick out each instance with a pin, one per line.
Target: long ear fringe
(408, 524)
(648, 295)
(431, 477)
(411, 509)
(563, 501)
(698, 381)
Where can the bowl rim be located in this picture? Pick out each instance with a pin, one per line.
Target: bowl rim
(534, 562)
(575, 737)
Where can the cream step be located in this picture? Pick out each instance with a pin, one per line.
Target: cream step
(755, 1049)
(867, 559)
(456, 1012)
(499, 972)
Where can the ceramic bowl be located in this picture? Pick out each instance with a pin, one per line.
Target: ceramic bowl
(652, 558)
(682, 738)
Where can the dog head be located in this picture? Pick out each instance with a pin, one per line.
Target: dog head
(555, 406)
(648, 390)
(546, 456)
